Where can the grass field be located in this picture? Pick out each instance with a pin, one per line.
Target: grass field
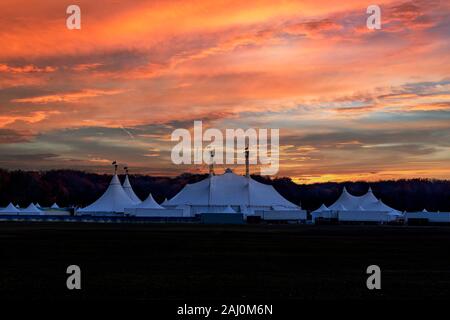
(193, 261)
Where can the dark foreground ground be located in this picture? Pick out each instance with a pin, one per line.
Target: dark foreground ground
(200, 262)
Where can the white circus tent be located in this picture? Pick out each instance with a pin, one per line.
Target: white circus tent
(55, 206)
(230, 189)
(241, 194)
(31, 209)
(149, 203)
(322, 212)
(114, 200)
(10, 209)
(358, 208)
(129, 191)
(147, 208)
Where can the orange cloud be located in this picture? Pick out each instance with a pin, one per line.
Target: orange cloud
(68, 97)
(4, 68)
(310, 68)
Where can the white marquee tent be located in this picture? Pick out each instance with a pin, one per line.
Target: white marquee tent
(31, 209)
(114, 200)
(241, 194)
(147, 208)
(54, 206)
(149, 203)
(358, 208)
(10, 209)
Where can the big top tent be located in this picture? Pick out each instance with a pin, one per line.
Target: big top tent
(129, 191)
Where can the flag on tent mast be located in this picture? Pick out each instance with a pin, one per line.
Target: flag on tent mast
(114, 163)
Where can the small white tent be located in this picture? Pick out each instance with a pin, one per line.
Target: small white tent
(31, 209)
(149, 203)
(10, 209)
(367, 202)
(114, 200)
(147, 208)
(54, 206)
(322, 208)
(323, 212)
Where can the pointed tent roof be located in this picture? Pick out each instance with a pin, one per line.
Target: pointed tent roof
(38, 205)
(322, 208)
(345, 200)
(165, 202)
(367, 202)
(129, 191)
(424, 210)
(54, 206)
(31, 209)
(149, 203)
(229, 189)
(368, 198)
(113, 200)
(10, 209)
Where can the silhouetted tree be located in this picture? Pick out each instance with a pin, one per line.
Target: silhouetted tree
(70, 187)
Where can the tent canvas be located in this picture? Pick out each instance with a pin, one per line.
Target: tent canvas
(54, 206)
(114, 200)
(31, 209)
(129, 191)
(366, 202)
(149, 203)
(230, 189)
(10, 209)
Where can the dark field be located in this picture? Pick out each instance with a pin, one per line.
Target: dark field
(202, 262)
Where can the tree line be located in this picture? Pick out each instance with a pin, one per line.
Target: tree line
(78, 188)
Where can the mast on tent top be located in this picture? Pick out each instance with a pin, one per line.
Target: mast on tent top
(115, 166)
(247, 162)
(212, 153)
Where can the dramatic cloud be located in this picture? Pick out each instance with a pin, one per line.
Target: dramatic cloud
(351, 103)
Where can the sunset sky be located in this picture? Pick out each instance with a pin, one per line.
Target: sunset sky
(351, 103)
